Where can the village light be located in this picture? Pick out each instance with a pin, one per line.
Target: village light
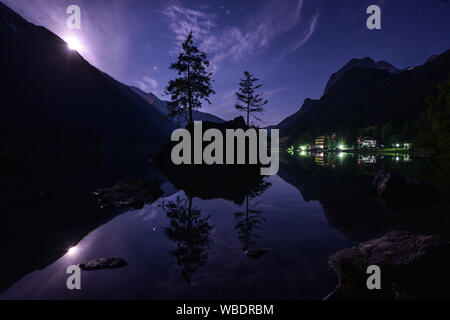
(341, 147)
(290, 150)
(303, 148)
(397, 145)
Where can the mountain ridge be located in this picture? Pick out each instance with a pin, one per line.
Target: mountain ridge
(392, 104)
(88, 102)
(161, 106)
(366, 62)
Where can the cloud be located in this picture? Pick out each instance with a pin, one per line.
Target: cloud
(184, 20)
(231, 94)
(272, 20)
(297, 44)
(146, 84)
(272, 92)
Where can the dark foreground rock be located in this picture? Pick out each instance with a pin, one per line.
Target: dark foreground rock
(133, 193)
(412, 267)
(395, 188)
(103, 263)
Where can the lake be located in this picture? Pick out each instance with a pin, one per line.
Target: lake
(274, 245)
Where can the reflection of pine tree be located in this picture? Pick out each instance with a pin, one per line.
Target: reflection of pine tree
(250, 220)
(259, 189)
(248, 224)
(191, 234)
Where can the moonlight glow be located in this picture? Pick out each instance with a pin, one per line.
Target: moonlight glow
(71, 251)
(74, 44)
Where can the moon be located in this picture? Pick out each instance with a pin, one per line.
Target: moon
(72, 250)
(74, 44)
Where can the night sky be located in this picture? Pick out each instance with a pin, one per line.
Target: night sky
(293, 46)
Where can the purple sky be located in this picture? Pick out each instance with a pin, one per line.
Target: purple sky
(293, 46)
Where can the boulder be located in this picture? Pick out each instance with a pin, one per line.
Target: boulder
(395, 188)
(256, 253)
(133, 193)
(413, 266)
(103, 263)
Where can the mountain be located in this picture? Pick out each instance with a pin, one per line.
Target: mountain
(290, 121)
(151, 99)
(53, 98)
(161, 106)
(66, 128)
(371, 101)
(434, 56)
(367, 62)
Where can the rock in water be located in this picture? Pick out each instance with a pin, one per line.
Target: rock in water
(395, 188)
(226, 181)
(133, 193)
(412, 267)
(103, 263)
(256, 253)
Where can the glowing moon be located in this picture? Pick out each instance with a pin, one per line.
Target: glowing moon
(74, 44)
(72, 250)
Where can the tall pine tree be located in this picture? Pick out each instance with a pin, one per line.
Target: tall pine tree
(193, 84)
(249, 102)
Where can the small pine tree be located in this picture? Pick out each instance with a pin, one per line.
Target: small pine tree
(194, 83)
(249, 101)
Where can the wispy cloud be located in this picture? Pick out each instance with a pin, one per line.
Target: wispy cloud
(183, 20)
(272, 92)
(146, 84)
(231, 94)
(272, 20)
(297, 44)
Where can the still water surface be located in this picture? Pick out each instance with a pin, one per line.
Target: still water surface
(181, 248)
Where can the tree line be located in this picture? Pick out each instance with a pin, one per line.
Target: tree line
(193, 86)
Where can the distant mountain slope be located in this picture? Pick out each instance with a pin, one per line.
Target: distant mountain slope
(391, 104)
(161, 106)
(65, 129)
(51, 95)
(290, 121)
(367, 62)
